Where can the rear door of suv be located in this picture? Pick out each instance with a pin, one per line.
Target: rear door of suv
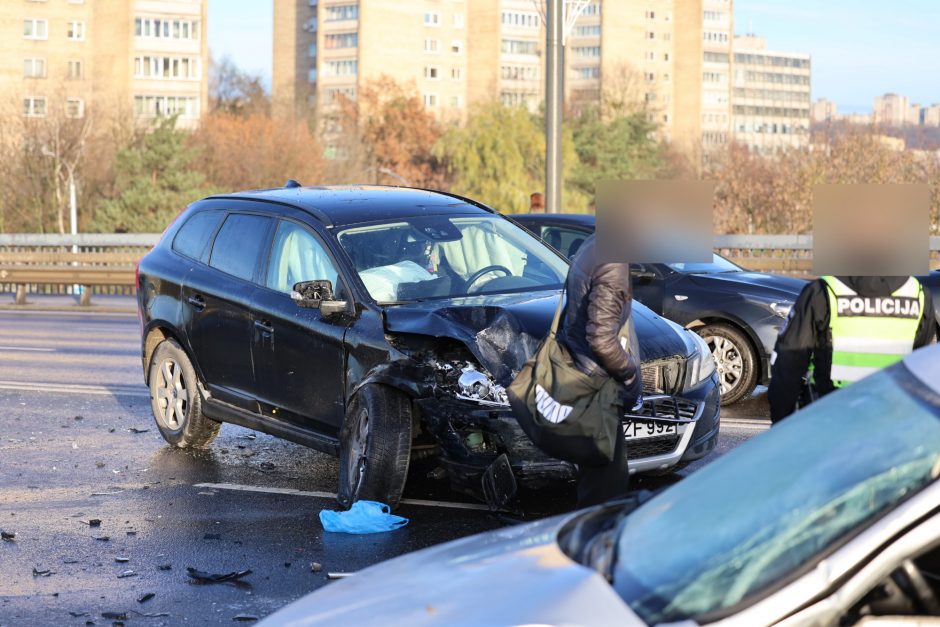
(217, 296)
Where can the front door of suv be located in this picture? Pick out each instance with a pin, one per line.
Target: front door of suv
(299, 355)
(219, 297)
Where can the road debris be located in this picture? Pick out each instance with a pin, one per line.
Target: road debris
(94, 522)
(201, 577)
(146, 597)
(79, 417)
(126, 574)
(316, 567)
(267, 466)
(114, 615)
(121, 559)
(8, 536)
(42, 573)
(137, 430)
(245, 618)
(78, 614)
(212, 536)
(165, 567)
(102, 538)
(339, 575)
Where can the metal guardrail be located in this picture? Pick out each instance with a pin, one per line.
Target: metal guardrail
(104, 262)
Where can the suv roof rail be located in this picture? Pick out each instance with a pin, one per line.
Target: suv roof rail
(291, 183)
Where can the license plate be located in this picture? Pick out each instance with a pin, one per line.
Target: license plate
(640, 430)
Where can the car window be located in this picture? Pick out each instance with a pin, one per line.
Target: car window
(565, 240)
(297, 255)
(718, 264)
(781, 501)
(193, 237)
(238, 245)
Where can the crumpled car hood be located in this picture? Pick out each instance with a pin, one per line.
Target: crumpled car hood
(503, 330)
(512, 576)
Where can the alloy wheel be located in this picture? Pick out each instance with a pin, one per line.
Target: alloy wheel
(358, 445)
(171, 394)
(728, 362)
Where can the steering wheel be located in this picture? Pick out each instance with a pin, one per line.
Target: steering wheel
(920, 588)
(483, 272)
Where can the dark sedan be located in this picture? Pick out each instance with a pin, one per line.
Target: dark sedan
(377, 324)
(738, 313)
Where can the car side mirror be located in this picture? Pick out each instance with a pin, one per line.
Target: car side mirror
(643, 276)
(318, 295)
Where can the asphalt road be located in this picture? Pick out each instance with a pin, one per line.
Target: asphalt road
(78, 443)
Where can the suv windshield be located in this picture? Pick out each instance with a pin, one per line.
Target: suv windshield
(780, 502)
(718, 264)
(429, 257)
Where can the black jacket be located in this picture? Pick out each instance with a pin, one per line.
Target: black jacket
(599, 304)
(806, 335)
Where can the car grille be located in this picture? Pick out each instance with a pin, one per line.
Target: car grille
(663, 376)
(667, 407)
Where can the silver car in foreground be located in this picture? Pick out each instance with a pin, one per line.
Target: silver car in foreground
(831, 518)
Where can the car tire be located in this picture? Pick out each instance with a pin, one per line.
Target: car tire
(735, 360)
(176, 401)
(375, 446)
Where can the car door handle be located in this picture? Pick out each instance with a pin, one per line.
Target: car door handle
(265, 326)
(197, 301)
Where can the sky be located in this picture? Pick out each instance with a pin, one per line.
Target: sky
(860, 48)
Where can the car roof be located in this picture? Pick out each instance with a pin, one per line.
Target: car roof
(574, 219)
(339, 205)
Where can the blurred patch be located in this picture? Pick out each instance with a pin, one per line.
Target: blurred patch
(871, 229)
(654, 221)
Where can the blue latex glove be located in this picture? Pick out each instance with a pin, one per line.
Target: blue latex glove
(362, 517)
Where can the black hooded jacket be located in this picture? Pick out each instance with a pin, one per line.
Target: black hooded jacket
(806, 335)
(598, 305)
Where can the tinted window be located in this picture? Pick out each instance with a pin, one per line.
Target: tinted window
(192, 238)
(297, 255)
(564, 240)
(237, 248)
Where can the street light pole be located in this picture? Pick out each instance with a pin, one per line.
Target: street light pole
(554, 72)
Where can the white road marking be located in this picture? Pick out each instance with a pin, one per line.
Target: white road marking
(753, 425)
(332, 495)
(69, 388)
(27, 349)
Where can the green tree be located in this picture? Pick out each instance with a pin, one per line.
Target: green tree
(621, 147)
(155, 178)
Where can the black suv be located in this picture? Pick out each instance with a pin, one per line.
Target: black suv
(379, 323)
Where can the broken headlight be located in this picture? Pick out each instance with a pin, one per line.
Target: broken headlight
(474, 385)
(700, 364)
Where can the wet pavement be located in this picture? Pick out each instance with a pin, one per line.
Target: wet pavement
(79, 445)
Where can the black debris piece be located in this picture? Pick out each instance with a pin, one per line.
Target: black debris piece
(245, 618)
(132, 533)
(70, 561)
(146, 597)
(78, 614)
(267, 466)
(212, 536)
(126, 574)
(102, 538)
(111, 430)
(114, 615)
(41, 573)
(121, 560)
(94, 522)
(202, 577)
(9, 536)
(286, 564)
(79, 417)
(165, 567)
(138, 430)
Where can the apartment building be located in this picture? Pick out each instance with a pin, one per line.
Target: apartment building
(653, 48)
(717, 39)
(327, 48)
(891, 110)
(142, 58)
(823, 110)
(770, 101)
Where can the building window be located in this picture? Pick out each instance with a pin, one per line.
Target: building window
(431, 45)
(518, 46)
(456, 46)
(35, 29)
(34, 107)
(458, 20)
(340, 40)
(588, 73)
(76, 31)
(587, 51)
(74, 108)
(76, 70)
(166, 29)
(430, 100)
(341, 67)
(519, 73)
(340, 12)
(186, 107)
(34, 68)
(521, 19)
(456, 102)
(432, 73)
(432, 18)
(456, 73)
(153, 67)
(588, 30)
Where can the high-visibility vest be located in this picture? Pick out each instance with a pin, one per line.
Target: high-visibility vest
(871, 332)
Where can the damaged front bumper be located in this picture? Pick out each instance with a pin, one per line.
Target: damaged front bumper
(472, 436)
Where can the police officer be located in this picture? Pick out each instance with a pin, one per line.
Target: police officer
(845, 328)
